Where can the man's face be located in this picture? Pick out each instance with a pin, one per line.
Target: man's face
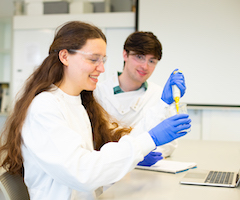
(139, 67)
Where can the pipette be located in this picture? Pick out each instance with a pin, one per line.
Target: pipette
(176, 93)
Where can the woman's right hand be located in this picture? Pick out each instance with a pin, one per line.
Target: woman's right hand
(170, 129)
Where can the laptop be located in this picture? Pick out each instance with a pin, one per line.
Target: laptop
(211, 178)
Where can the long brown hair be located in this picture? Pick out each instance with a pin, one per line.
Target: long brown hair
(72, 35)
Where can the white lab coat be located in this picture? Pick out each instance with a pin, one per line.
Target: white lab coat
(58, 156)
(147, 104)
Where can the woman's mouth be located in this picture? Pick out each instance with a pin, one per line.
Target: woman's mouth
(94, 78)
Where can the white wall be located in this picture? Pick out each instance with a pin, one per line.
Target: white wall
(202, 38)
(214, 124)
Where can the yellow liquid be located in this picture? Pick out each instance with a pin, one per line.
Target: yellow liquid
(177, 103)
(177, 108)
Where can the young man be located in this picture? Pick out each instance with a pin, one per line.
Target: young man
(129, 97)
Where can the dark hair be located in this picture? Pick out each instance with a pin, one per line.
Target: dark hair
(143, 43)
(72, 35)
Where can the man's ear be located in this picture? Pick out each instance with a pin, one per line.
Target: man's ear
(63, 56)
(125, 55)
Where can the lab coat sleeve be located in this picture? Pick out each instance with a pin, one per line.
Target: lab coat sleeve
(61, 152)
(154, 116)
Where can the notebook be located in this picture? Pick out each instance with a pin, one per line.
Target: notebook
(169, 166)
(211, 178)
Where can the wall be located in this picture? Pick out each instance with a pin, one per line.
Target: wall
(202, 39)
(214, 124)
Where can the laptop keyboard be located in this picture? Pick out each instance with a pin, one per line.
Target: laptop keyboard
(219, 177)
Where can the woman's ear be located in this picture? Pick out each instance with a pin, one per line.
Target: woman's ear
(63, 56)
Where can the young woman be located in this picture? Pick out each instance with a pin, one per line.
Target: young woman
(61, 135)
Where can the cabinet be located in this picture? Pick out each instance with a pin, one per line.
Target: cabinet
(5, 63)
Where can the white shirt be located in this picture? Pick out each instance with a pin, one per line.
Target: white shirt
(129, 108)
(59, 159)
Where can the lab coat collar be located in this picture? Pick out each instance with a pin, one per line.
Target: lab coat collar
(136, 106)
(117, 89)
(68, 98)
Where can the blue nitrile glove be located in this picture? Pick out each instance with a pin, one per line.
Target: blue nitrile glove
(151, 159)
(174, 79)
(168, 129)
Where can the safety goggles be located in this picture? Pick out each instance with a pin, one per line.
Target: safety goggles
(152, 62)
(95, 59)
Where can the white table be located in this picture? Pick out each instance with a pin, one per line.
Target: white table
(149, 185)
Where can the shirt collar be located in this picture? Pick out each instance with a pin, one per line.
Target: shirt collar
(117, 89)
